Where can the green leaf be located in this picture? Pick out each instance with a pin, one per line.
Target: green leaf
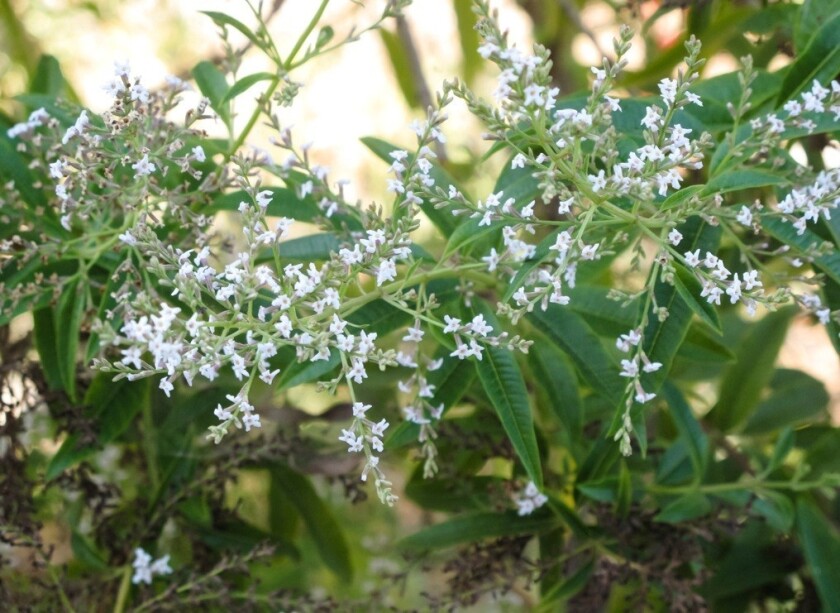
(379, 316)
(744, 381)
(48, 79)
(569, 587)
(320, 522)
(689, 289)
(750, 562)
(795, 397)
(85, 552)
(69, 454)
(222, 20)
(502, 381)
(679, 197)
(67, 324)
(701, 346)
(468, 38)
(402, 68)
(557, 379)
(467, 233)
(297, 373)
(325, 35)
(475, 527)
(112, 405)
(45, 342)
(575, 338)
(319, 246)
(524, 269)
(776, 508)
(662, 339)
(783, 447)
(787, 234)
(454, 494)
(212, 83)
(737, 180)
(685, 508)
(819, 62)
(811, 16)
(821, 546)
(689, 428)
(246, 83)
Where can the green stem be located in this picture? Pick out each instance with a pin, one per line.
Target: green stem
(122, 594)
(748, 484)
(275, 82)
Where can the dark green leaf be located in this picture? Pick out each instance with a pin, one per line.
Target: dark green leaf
(68, 322)
(557, 379)
(475, 527)
(45, 342)
(662, 339)
(794, 397)
(453, 494)
(811, 16)
(819, 62)
(685, 508)
(744, 381)
(85, 552)
(320, 522)
(304, 372)
(308, 248)
(502, 381)
(689, 428)
(821, 545)
(776, 508)
(689, 289)
(736, 180)
(787, 234)
(572, 335)
(69, 454)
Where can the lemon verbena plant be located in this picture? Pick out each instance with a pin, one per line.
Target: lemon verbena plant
(581, 355)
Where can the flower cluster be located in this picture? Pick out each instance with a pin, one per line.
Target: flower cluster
(365, 436)
(529, 499)
(145, 568)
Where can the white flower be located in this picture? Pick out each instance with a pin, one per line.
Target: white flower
(529, 499)
(387, 271)
(452, 324)
(668, 90)
(143, 167)
(144, 568)
(414, 334)
(674, 237)
(360, 409)
(479, 326)
(693, 98)
(692, 258)
(745, 216)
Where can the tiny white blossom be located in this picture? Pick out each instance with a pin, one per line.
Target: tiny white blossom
(143, 167)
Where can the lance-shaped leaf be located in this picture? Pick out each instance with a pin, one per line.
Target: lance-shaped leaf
(502, 381)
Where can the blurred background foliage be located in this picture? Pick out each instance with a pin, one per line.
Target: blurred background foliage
(318, 547)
